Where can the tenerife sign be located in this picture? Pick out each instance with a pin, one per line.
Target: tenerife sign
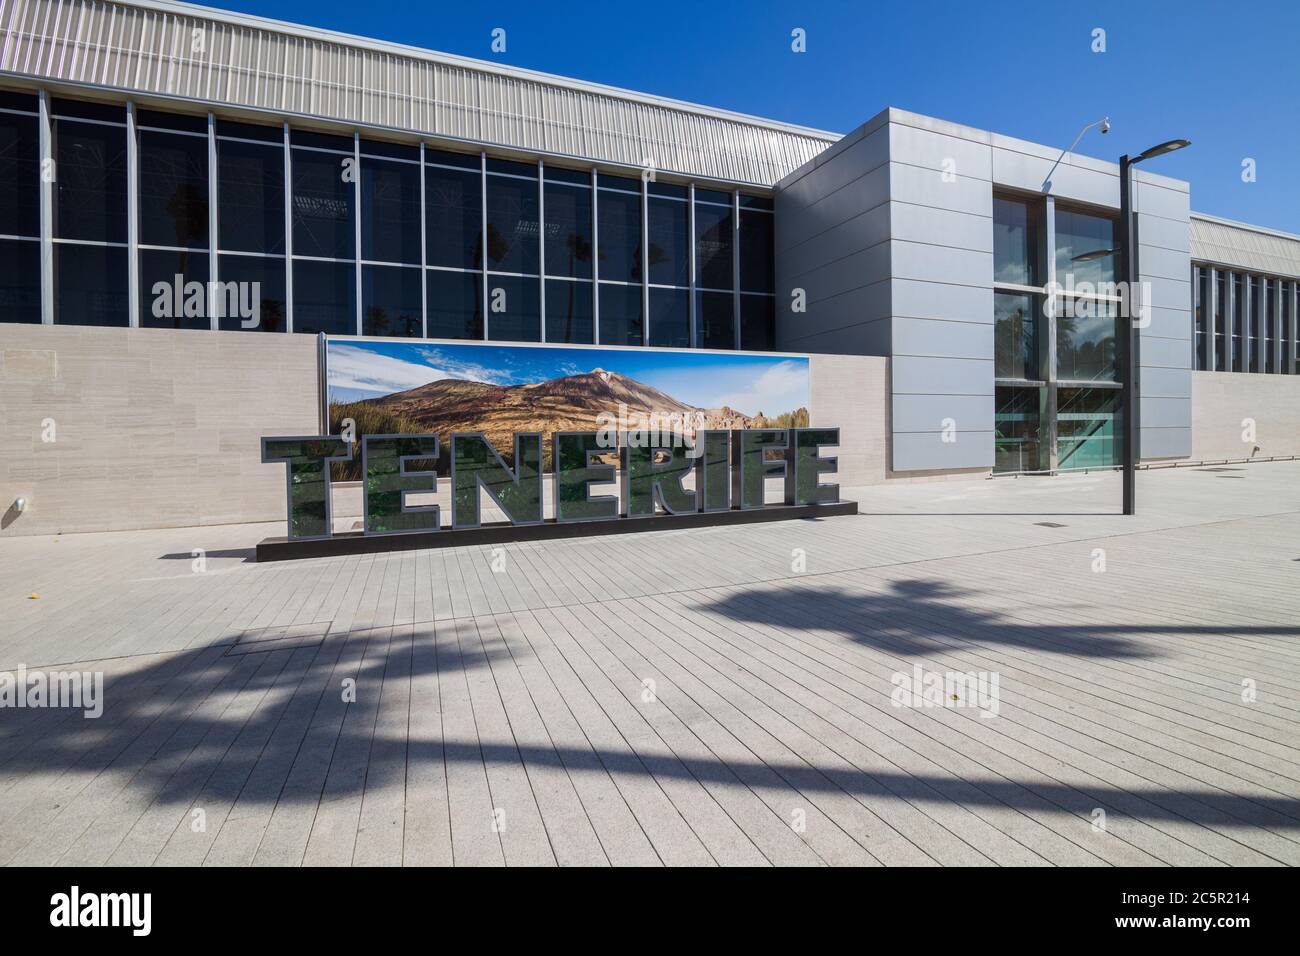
(727, 471)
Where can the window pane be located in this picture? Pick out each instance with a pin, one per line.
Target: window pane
(1202, 290)
(669, 250)
(1270, 321)
(390, 301)
(512, 225)
(1220, 321)
(1078, 233)
(168, 302)
(716, 323)
(324, 297)
(1016, 241)
(620, 312)
(323, 207)
(568, 232)
(90, 286)
(1015, 336)
(569, 312)
(455, 218)
(20, 208)
(1238, 320)
(390, 207)
(259, 284)
(757, 323)
(1016, 424)
(756, 268)
(250, 196)
(20, 281)
(267, 134)
(455, 304)
(670, 318)
(173, 190)
(1085, 341)
(1087, 420)
(90, 198)
(513, 304)
(618, 237)
(713, 246)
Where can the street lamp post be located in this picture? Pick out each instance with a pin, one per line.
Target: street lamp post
(1132, 337)
(1126, 279)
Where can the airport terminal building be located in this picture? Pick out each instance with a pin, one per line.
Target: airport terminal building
(942, 280)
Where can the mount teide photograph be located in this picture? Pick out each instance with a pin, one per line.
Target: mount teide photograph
(501, 390)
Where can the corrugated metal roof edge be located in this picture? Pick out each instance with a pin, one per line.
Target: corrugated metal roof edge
(483, 66)
(1234, 224)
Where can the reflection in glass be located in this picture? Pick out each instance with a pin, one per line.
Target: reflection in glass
(160, 307)
(757, 271)
(753, 465)
(1016, 429)
(390, 301)
(669, 244)
(1015, 336)
(20, 281)
(390, 211)
(324, 297)
(1078, 233)
(652, 474)
(455, 304)
(250, 197)
(713, 260)
(809, 465)
(575, 472)
(454, 217)
(173, 190)
(90, 285)
(568, 231)
(513, 303)
(569, 312)
(512, 225)
(713, 475)
(619, 237)
(475, 464)
(758, 322)
(268, 274)
(20, 210)
(670, 318)
(1017, 238)
(1087, 433)
(393, 466)
(307, 461)
(716, 321)
(90, 189)
(1085, 340)
(620, 315)
(323, 207)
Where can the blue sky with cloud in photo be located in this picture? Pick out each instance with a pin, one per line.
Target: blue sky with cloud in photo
(771, 384)
(1222, 75)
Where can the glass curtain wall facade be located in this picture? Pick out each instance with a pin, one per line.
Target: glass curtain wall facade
(1057, 388)
(1244, 321)
(156, 217)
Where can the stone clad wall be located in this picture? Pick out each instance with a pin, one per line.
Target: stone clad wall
(153, 427)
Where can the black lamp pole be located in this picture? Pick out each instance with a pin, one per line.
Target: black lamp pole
(1128, 275)
(1128, 268)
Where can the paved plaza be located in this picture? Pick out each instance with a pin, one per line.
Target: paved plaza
(716, 696)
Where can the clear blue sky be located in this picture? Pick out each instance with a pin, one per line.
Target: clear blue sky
(1224, 75)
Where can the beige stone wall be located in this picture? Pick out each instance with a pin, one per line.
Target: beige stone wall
(153, 427)
(852, 391)
(1222, 400)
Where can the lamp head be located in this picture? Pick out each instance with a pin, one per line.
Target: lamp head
(1160, 149)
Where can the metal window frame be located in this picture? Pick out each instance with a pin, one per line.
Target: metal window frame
(541, 251)
(213, 212)
(356, 227)
(288, 231)
(132, 217)
(424, 252)
(48, 177)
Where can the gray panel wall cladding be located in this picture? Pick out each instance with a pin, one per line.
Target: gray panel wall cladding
(895, 258)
